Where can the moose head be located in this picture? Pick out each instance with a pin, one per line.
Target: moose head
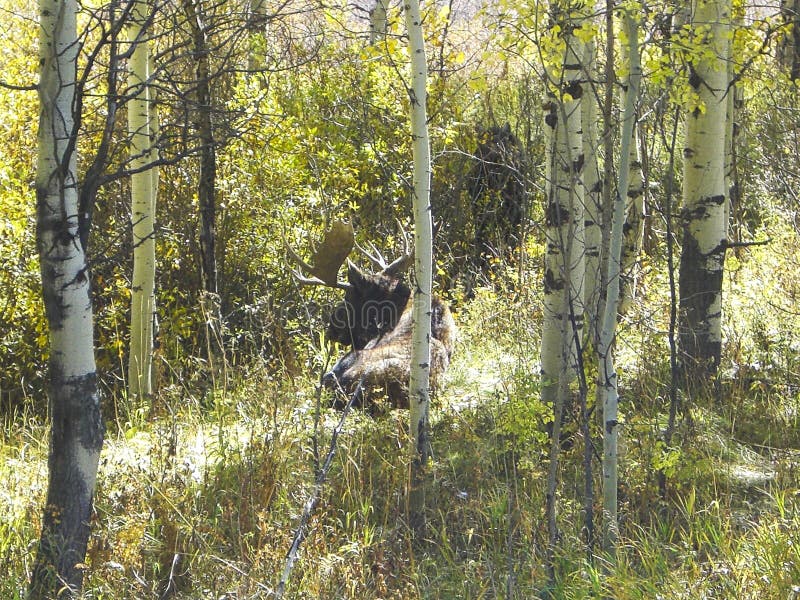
(374, 318)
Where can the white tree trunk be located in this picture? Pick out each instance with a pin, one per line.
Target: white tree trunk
(378, 21)
(419, 398)
(704, 196)
(77, 427)
(565, 254)
(593, 193)
(141, 126)
(607, 394)
(564, 275)
(634, 209)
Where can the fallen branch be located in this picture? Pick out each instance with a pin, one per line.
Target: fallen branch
(311, 503)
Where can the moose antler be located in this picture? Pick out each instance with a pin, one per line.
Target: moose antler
(396, 267)
(400, 265)
(376, 258)
(328, 258)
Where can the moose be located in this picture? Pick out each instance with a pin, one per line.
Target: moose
(375, 320)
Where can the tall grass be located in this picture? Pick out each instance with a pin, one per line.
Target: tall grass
(199, 498)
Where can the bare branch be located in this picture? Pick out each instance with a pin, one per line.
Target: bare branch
(19, 88)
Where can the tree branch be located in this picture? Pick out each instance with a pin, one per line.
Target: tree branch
(19, 88)
(311, 503)
(748, 244)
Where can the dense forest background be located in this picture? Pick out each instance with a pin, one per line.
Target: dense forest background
(201, 482)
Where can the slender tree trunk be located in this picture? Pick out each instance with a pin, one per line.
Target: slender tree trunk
(704, 198)
(607, 394)
(734, 102)
(674, 382)
(633, 231)
(143, 206)
(419, 399)
(77, 426)
(207, 186)
(378, 21)
(634, 225)
(789, 51)
(564, 258)
(609, 127)
(592, 233)
(593, 192)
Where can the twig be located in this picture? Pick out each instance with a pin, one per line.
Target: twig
(18, 88)
(313, 499)
(747, 244)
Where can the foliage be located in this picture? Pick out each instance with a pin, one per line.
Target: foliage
(222, 489)
(23, 330)
(215, 472)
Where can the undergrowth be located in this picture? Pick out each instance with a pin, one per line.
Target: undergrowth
(199, 498)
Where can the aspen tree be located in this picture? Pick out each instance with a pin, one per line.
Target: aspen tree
(633, 234)
(418, 386)
(378, 21)
(77, 427)
(564, 259)
(734, 102)
(704, 194)
(593, 190)
(144, 183)
(607, 393)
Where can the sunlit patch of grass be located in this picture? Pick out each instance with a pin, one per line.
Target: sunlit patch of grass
(23, 471)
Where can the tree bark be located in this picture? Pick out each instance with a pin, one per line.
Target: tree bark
(378, 21)
(704, 198)
(418, 386)
(607, 393)
(144, 183)
(593, 192)
(734, 103)
(207, 184)
(206, 188)
(633, 232)
(564, 259)
(564, 235)
(77, 426)
(789, 51)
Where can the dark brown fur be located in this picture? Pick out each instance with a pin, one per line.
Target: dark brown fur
(375, 318)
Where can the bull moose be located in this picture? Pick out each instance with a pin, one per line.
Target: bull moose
(375, 320)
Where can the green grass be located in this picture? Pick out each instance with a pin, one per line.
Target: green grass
(220, 483)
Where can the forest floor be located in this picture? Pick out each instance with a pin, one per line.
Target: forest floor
(198, 497)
